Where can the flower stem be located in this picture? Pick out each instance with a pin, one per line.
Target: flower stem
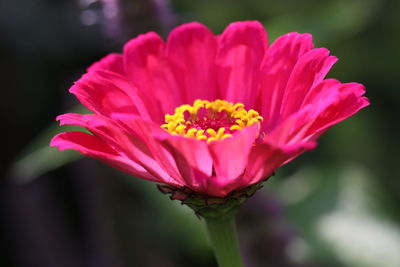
(222, 232)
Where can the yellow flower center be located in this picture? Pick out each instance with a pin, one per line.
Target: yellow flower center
(210, 120)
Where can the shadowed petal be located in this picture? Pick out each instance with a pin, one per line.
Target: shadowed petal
(192, 157)
(128, 144)
(230, 156)
(148, 134)
(266, 158)
(92, 146)
(194, 152)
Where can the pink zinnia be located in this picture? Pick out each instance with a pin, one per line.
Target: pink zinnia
(212, 114)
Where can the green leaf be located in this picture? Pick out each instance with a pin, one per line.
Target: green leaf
(38, 157)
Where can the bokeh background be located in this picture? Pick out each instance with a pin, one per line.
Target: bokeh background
(336, 206)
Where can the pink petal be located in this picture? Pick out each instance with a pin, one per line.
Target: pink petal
(147, 133)
(191, 50)
(240, 50)
(230, 156)
(108, 131)
(266, 158)
(295, 128)
(129, 144)
(108, 94)
(276, 68)
(326, 104)
(92, 146)
(192, 157)
(147, 67)
(349, 102)
(321, 92)
(111, 62)
(311, 69)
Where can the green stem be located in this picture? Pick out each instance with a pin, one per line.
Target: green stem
(222, 232)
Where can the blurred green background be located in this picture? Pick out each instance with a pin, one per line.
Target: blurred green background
(335, 206)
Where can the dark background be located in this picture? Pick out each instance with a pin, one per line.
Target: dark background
(336, 206)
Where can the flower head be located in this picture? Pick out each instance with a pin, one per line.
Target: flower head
(212, 114)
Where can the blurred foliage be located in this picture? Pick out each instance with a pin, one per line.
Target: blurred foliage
(335, 206)
(38, 157)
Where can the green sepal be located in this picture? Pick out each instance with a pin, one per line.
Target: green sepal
(208, 206)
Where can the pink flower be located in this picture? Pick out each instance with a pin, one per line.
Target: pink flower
(147, 121)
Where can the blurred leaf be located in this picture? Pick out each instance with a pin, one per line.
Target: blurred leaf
(38, 157)
(309, 194)
(138, 204)
(177, 217)
(330, 21)
(357, 217)
(330, 206)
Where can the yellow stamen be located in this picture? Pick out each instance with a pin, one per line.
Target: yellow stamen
(226, 136)
(211, 132)
(191, 132)
(235, 127)
(236, 116)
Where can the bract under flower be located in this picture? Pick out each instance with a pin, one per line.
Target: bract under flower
(258, 107)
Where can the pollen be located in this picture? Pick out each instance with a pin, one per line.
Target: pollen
(210, 120)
